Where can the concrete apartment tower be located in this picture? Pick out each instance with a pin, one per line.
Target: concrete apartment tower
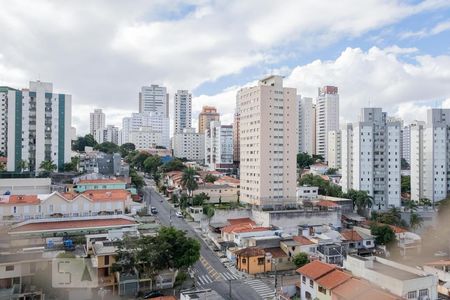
(183, 111)
(36, 126)
(430, 157)
(97, 121)
(155, 99)
(334, 145)
(327, 117)
(236, 128)
(190, 145)
(371, 157)
(406, 144)
(206, 116)
(306, 125)
(219, 147)
(268, 142)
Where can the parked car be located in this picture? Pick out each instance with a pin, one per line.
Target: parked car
(179, 214)
(152, 294)
(153, 210)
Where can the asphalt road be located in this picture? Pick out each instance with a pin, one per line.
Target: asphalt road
(209, 265)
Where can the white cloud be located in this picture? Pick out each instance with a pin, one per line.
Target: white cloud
(438, 28)
(102, 51)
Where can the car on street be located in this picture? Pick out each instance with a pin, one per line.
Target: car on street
(179, 214)
(153, 210)
(152, 294)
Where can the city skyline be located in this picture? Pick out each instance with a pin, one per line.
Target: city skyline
(403, 44)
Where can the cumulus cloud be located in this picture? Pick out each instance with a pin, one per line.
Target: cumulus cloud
(103, 51)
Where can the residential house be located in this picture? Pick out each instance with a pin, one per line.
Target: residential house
(218, 193)
(309, 273)
(355, 289)
(401, 280)
(298, 244)
(99, 184)
(441, 269)
(253, 260)
(358, 240)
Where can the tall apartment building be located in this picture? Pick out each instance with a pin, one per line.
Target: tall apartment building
(97, 121)
(406, 144)
(306, 125)
(334, 149)
(206, 116)
(430, 157)
(327, 117)
(146, 130)
(183, 111)
(189, 144)
(36, 126)
(108, 134)
(155, 99)
(374, 163)
(269, 142)
(236, 128)
(219, 146)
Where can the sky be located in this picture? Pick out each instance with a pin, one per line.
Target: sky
(390, 54)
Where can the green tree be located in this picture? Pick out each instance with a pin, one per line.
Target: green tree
(82, 142)
(300, 259)
(199, 199)
(184, 199)
(181, 251)
(188, 180)
(136, 179)
(425, 202)
(23, 165)
(107, 147)
(415, 221)
(404, 164)
(384, 235)
(210, 178)
(2, 167)
(304, 160)
(48, 167)
(139, 159)
(325, 187)
(152, 163)
(208, 211)
(390, 217)
(331, 171)
(173, 165)
(405, 184)
(410, 205)
(318, 157)
(126, 148)
(361, 201)
(157, 178)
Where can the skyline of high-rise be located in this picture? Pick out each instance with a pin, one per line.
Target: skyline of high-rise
(182, 111)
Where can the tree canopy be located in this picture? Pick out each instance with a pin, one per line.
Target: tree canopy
(210, 178)
(325, 187)
(81, 142)
(152, 163)
(126, 148)
(390, 217)
(361, 200)
(300, 259)
(107, 147)
(174, 165)
(384, 235)
(405, 184)
(188, 180)
(304, 160)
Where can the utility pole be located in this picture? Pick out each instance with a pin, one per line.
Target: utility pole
(229, 289)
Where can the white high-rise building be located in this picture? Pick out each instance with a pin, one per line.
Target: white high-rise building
(154, 98)
(306, 125)
(334, 149)
(327, 117)
(108, 134)
(146, 130)
(268, 142)
(36, 126)
(219, 146)
(371, 157)
(189, 144)
(97, 121)
(406, 144)
(430, 156)
(183, 111)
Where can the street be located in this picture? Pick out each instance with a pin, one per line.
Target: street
(209, 271)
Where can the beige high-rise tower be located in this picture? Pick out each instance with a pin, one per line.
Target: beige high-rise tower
(268, 142)
(206, 116)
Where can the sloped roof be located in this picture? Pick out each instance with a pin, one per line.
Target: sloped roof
(315, 269)
(351, 235)
(276, 252)
(251, 252)
(100, 181)
(302, 240)
(19, 199)
(333, 279)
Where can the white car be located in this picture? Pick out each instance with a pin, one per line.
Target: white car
(179, 214)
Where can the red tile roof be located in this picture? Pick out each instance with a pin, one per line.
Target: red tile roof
(302, 240)
(276, 252)
(62, 225)
(351, 235)
(333, 279)
(107, 195)
(240, 221)
(316, 269)
(228, 179)
(231, 228)
(19, 199)
(250, 229)
(99, 181)
(327, 203)
(251, 252)
(351, 289)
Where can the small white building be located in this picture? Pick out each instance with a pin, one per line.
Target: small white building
(24, 186)
(307, 192)
(219, 146)
(401, 280)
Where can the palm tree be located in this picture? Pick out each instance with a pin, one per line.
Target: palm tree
(411, 205)
(188, 181)
(415, 221)
(361, 200)
(23, 165)
(48, 166)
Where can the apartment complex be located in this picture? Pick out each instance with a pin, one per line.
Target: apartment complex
(371, 157)
(406, 144)
(206, 116)
(430, 156)
(306, 125)
(268, 142)
(183, 111)
(36, 126)
(189, 144)
(334, 149)
(236, 142)
(146, 130)
(108, 134)
(97, 121)
(327, 117)
(219, 146)
(155, 99)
